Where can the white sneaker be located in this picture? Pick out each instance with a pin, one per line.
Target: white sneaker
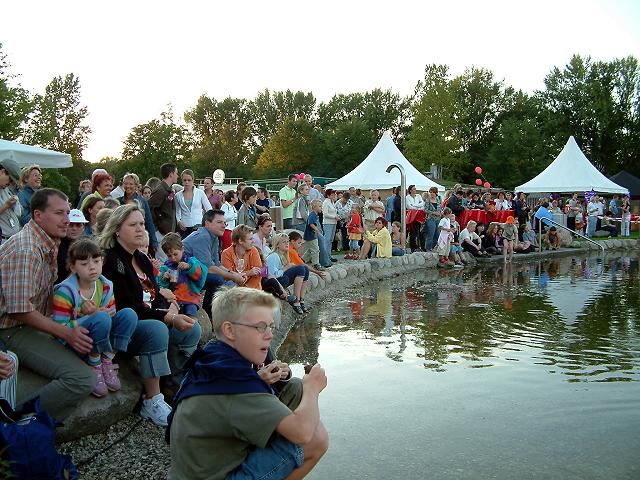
(156, 410)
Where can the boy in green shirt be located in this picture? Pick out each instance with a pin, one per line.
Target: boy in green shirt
(287, 198)
(227, 421)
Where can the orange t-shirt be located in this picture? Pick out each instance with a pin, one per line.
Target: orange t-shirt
(294, 257)
(251, 259)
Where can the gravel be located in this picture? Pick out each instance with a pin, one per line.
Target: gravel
(143, 454)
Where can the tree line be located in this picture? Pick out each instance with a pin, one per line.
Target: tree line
(458, 122)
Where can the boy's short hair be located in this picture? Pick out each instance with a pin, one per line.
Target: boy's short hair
(315, 203)
(446, 211)
(228, 196)
(171, 242)
(247, 193)
(239, 232)
(294, 235)
(381, 219)
(83, 249)
(230, 305)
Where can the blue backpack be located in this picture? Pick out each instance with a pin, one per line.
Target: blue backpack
(27, 442)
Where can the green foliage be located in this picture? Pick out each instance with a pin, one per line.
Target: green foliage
(293, 148)
(15, 103)
(151, 144)
(223, 136)
(344, 147)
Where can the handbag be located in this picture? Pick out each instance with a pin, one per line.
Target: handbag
(27, 442)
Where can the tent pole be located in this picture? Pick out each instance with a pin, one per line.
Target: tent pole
(403, 196)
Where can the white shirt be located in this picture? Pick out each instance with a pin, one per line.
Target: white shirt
(502, 205)
(230, 215)
(117, 192)
(191, 217)
(467, 235)
(415, 203)
(445, 223)
(329, 212)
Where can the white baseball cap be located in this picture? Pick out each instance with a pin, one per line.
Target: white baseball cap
(76, 216)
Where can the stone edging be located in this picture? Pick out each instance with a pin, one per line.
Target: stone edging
(95, 415)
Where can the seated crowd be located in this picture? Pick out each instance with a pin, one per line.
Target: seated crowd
(122, 272)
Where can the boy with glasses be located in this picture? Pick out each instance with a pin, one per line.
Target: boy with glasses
(247, 431)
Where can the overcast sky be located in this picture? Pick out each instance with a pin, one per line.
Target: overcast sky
(135, 57)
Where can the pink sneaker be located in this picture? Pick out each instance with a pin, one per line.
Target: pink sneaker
(101, 388)
(110, 374)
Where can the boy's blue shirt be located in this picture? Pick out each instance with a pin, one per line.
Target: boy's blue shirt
(313, 219)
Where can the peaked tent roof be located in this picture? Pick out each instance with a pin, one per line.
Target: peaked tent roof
(571, 171)
(631, 182)
(372, 172)
(14, 156)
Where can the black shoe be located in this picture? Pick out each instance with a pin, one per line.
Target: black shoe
(298, 309)
(334, 260)
(304, 308)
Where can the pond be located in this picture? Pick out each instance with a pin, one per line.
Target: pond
(523, 371)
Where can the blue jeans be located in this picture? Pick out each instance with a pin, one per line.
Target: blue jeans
(325, 257)
(329, 235)
(592, 223)
(103, 329)
(274, 462)
(286, 223)
(397, 252)
(430, 233)
(190, 309)
(162, 350)
(290, 275)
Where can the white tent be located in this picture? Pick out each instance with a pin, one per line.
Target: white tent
(14, 156)
(372, 172)
(570, 172)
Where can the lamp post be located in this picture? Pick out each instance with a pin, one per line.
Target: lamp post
(403, 198)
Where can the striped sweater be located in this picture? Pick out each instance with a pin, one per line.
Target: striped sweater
(67, 300)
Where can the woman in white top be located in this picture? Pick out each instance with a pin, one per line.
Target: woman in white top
(191, 203)
(501, 202)
(329, 218)
(373, 208)
(414, 202)
(230, 216)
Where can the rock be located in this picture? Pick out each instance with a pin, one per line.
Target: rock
(322, 283)
(617, 243)
(367, 268)
(313, 280)
(375, 264)
(396, 261)
(413, 258)
(565, 236)
(206, 326)
(405, 259)
(342, 272)
(575, 244)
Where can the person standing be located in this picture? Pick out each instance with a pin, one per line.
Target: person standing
(30, 181)
(329, 219)
(287, 196)
(191, 203)
(343, 209)
(625, 208)
(373, 208)
(389, 205)
(313, 193)
(10, 208)
(28, 271)
(162, 206)
(215, 199)
(574, 207)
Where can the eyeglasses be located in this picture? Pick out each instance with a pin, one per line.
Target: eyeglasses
(260, 327)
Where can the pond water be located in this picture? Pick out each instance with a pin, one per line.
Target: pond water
(524, 371)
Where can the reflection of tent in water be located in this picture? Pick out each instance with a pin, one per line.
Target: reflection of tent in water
(570, 301)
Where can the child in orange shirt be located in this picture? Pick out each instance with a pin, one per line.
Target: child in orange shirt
(354, 228)
(295, 242)
(243, 257)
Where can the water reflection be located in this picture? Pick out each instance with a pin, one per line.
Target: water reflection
(573, 316)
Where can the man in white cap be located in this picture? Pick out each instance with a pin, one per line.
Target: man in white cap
(74, 232)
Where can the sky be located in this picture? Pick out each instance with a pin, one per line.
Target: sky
(136, 57)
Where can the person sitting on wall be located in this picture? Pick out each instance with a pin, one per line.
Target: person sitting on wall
(253, 432)
(380, 238)
(608, 225)
(470, 241)
(552, 239)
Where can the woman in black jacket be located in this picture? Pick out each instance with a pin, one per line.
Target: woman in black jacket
(163, 339)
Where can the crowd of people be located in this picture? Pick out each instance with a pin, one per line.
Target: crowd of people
(122, 271)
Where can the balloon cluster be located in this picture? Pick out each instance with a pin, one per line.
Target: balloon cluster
(478, 170)
(300, 176)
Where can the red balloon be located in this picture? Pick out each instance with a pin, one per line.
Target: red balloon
(478, 182)
(478, 170)
(487, 185)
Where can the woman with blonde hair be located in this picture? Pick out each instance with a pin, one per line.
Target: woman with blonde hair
(30, 181)
(164, 339)
(130, 188)
(280, 267)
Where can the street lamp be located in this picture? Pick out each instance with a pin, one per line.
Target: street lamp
(403, 198)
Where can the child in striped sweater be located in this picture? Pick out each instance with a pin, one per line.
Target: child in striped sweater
(84, 300)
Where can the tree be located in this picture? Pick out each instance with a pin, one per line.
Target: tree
(15, 103)
(223, 135)
(151, 144)
(293, 148)
(598, 103)
(344, 147)
(269, 111)
(455, 119)
(58, 123)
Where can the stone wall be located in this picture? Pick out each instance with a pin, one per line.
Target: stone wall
(94, 415)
